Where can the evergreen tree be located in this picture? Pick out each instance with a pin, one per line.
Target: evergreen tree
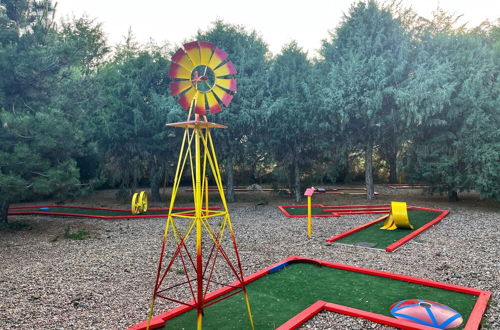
(129, 124)
(249, 54)
(40, 137)
(367, 60)
(455, 145)
(293, 116)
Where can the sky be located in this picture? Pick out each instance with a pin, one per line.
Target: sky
(278, 22)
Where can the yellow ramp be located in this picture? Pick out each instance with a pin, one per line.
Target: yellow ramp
(398, 218)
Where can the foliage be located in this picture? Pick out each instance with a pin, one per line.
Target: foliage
(40, 133)
(368, 60)
(129, 124)
(292, 116)
(249, 54)
(389, 86)
(80, 234)
(454, 144)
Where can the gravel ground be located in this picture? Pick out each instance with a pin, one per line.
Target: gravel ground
(105, 281)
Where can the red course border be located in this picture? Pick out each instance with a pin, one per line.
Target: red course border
(472, 323)
(285, 212)
(27, 211)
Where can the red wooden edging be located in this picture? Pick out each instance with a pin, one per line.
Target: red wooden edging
(95, 216)
(349, 232)
(417, 232)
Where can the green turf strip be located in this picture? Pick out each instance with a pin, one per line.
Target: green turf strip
(277, 297)
(56, 210)
(383, 238)
(315, 210)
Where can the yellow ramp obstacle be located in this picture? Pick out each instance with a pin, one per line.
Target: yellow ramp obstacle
(398, 218)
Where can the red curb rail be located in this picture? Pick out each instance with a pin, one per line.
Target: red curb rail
(417, 232)
(350, 231)
(473, 322)
(108, 217)
(285, 212)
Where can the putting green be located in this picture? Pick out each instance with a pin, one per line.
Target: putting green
(92, 212)
(277, 297)
(102, 212)
(383, 238)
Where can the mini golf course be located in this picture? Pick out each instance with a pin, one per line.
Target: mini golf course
(92, 212)
(287, 294)
(420, 218)
(322, 211)
(370, 234)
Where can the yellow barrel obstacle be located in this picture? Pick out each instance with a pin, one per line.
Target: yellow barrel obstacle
(139, 202)
(398, 218)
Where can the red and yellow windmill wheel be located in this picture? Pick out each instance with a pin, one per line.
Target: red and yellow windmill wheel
(202, 77)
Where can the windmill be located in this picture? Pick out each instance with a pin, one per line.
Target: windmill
(202, 80)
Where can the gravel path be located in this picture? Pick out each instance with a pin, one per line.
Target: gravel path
(106, 280)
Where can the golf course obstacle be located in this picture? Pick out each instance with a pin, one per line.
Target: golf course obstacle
(93, 212)
(287, 294)
(139, 202)
(420, 218)
(201, 76)
(398, 218)
(426, 312)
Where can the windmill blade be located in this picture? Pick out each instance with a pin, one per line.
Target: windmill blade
(200, 104)
(229, 84)
(206, 50)
(177, 87)
(200, 77)
(193, 50)
(224, 96)
(186, 98)
(213, 104)
(225, 70)
(217, 58)
(177, 71)
(181, 57)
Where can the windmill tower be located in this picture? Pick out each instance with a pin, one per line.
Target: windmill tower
(199, 242)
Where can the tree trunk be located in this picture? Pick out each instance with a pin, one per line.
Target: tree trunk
(369, 172)
(296, 180)
(155, 178)
(230, 180)
(453, 196)
(393, 175)
(4, 209)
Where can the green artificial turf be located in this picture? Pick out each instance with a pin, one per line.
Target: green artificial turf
(277, 297)
(82, 211)
(384, 238)
(315, 210)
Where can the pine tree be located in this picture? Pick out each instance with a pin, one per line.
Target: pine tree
(249, 54)
(40, 136)
(366, 60)
(293, 115)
